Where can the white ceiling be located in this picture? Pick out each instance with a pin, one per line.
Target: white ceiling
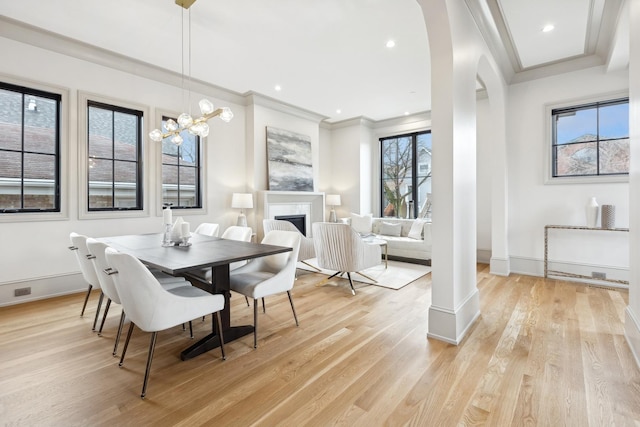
(326, 55)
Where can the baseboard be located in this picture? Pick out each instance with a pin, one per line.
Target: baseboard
(452, 325)
(500, 266)
(632, 333)
(483, 256)
(535, 267)
(42, 288)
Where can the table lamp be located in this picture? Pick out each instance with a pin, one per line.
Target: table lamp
(242, 201)
(333, 200)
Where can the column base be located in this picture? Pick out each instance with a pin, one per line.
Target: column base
(452, 325)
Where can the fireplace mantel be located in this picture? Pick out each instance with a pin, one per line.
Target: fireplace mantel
(274, 203)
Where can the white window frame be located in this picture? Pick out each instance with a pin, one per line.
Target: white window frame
(83, 159)
(548, 108)
(64, 154)
(156, 148)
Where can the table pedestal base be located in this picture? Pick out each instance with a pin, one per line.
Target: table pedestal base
(212, 341)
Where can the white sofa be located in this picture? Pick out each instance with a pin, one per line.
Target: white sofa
(403, 247)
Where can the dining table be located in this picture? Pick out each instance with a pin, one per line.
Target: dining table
(201, 252)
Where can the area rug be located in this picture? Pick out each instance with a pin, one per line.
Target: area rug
(395, 276)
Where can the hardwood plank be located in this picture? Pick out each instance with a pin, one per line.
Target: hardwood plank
(543, 352)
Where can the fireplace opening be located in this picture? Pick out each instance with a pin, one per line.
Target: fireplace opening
(298, 220)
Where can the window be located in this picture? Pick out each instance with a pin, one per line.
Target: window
(115, 152)
(403, 192)
(181, 171)
(29, 150)
(591, 139)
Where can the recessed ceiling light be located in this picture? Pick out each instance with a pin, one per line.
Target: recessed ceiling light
(278, 88)
(406, 113)
(338, 111)
(547, 28)
(391, 43)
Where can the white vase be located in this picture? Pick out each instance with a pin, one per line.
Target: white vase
(592, 213)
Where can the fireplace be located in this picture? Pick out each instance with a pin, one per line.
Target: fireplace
(307, 206)
(298, 220)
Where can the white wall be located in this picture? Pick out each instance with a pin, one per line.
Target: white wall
(534, 204)
(35, 253)
(485, 164)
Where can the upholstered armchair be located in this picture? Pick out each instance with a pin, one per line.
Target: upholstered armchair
(307, 249)
(341, 249)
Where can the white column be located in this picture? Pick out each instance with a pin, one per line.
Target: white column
(455, 300)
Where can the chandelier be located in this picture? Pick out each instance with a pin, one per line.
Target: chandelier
(197, 126)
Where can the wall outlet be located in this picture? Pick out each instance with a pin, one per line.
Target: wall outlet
(598, 275)
(22, 291)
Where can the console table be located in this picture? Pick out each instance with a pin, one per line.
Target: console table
(565, 274)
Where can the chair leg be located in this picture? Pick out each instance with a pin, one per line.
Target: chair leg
(293, 308)
(247, 300)
(312, 266)
(152, 347)
(104, 316)
(353, 290)
(220, 334)
(115, 346)
(264, 309)
(126, 344)
(86, 298)
(95, 320)
(255, 323)
(190, 329)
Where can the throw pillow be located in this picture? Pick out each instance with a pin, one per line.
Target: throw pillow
(362, 223)
(389, 229)
(416, 229)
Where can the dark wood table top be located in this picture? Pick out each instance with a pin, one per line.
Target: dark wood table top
(205, 251)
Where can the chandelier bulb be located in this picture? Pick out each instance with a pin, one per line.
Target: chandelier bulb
(177, 140)
(185, 120)
(206, 106)
(156, 135)
(171, 125)
(226, 114)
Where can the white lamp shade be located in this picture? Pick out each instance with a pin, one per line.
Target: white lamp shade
(242, 201)
(333, 199)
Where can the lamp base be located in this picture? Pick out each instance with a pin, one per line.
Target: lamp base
(332, 216)
(242, 220)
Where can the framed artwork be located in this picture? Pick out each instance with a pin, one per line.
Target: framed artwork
(289, 161)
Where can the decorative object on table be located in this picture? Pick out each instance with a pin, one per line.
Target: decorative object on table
(167, 223)
(176, 230)
(185, 122)
(592, 213)
(608, 216)
(289, 161)
(333, 200)
(185, 234)
(242, 201)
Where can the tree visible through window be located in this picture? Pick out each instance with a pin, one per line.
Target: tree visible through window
(406, 175)
(181, 171)
(592, 139)
(115, 153)
(29, 150)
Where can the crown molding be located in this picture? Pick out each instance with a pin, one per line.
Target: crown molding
(54, 42)
(255, 98)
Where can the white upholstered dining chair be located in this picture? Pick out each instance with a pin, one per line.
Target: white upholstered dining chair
(207, 229)
(269, 275)
(307, 250)
(153, 308)
(341, 249)
(97, 250)
(79, 247)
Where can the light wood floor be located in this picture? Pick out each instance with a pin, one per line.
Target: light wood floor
(543, 352)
